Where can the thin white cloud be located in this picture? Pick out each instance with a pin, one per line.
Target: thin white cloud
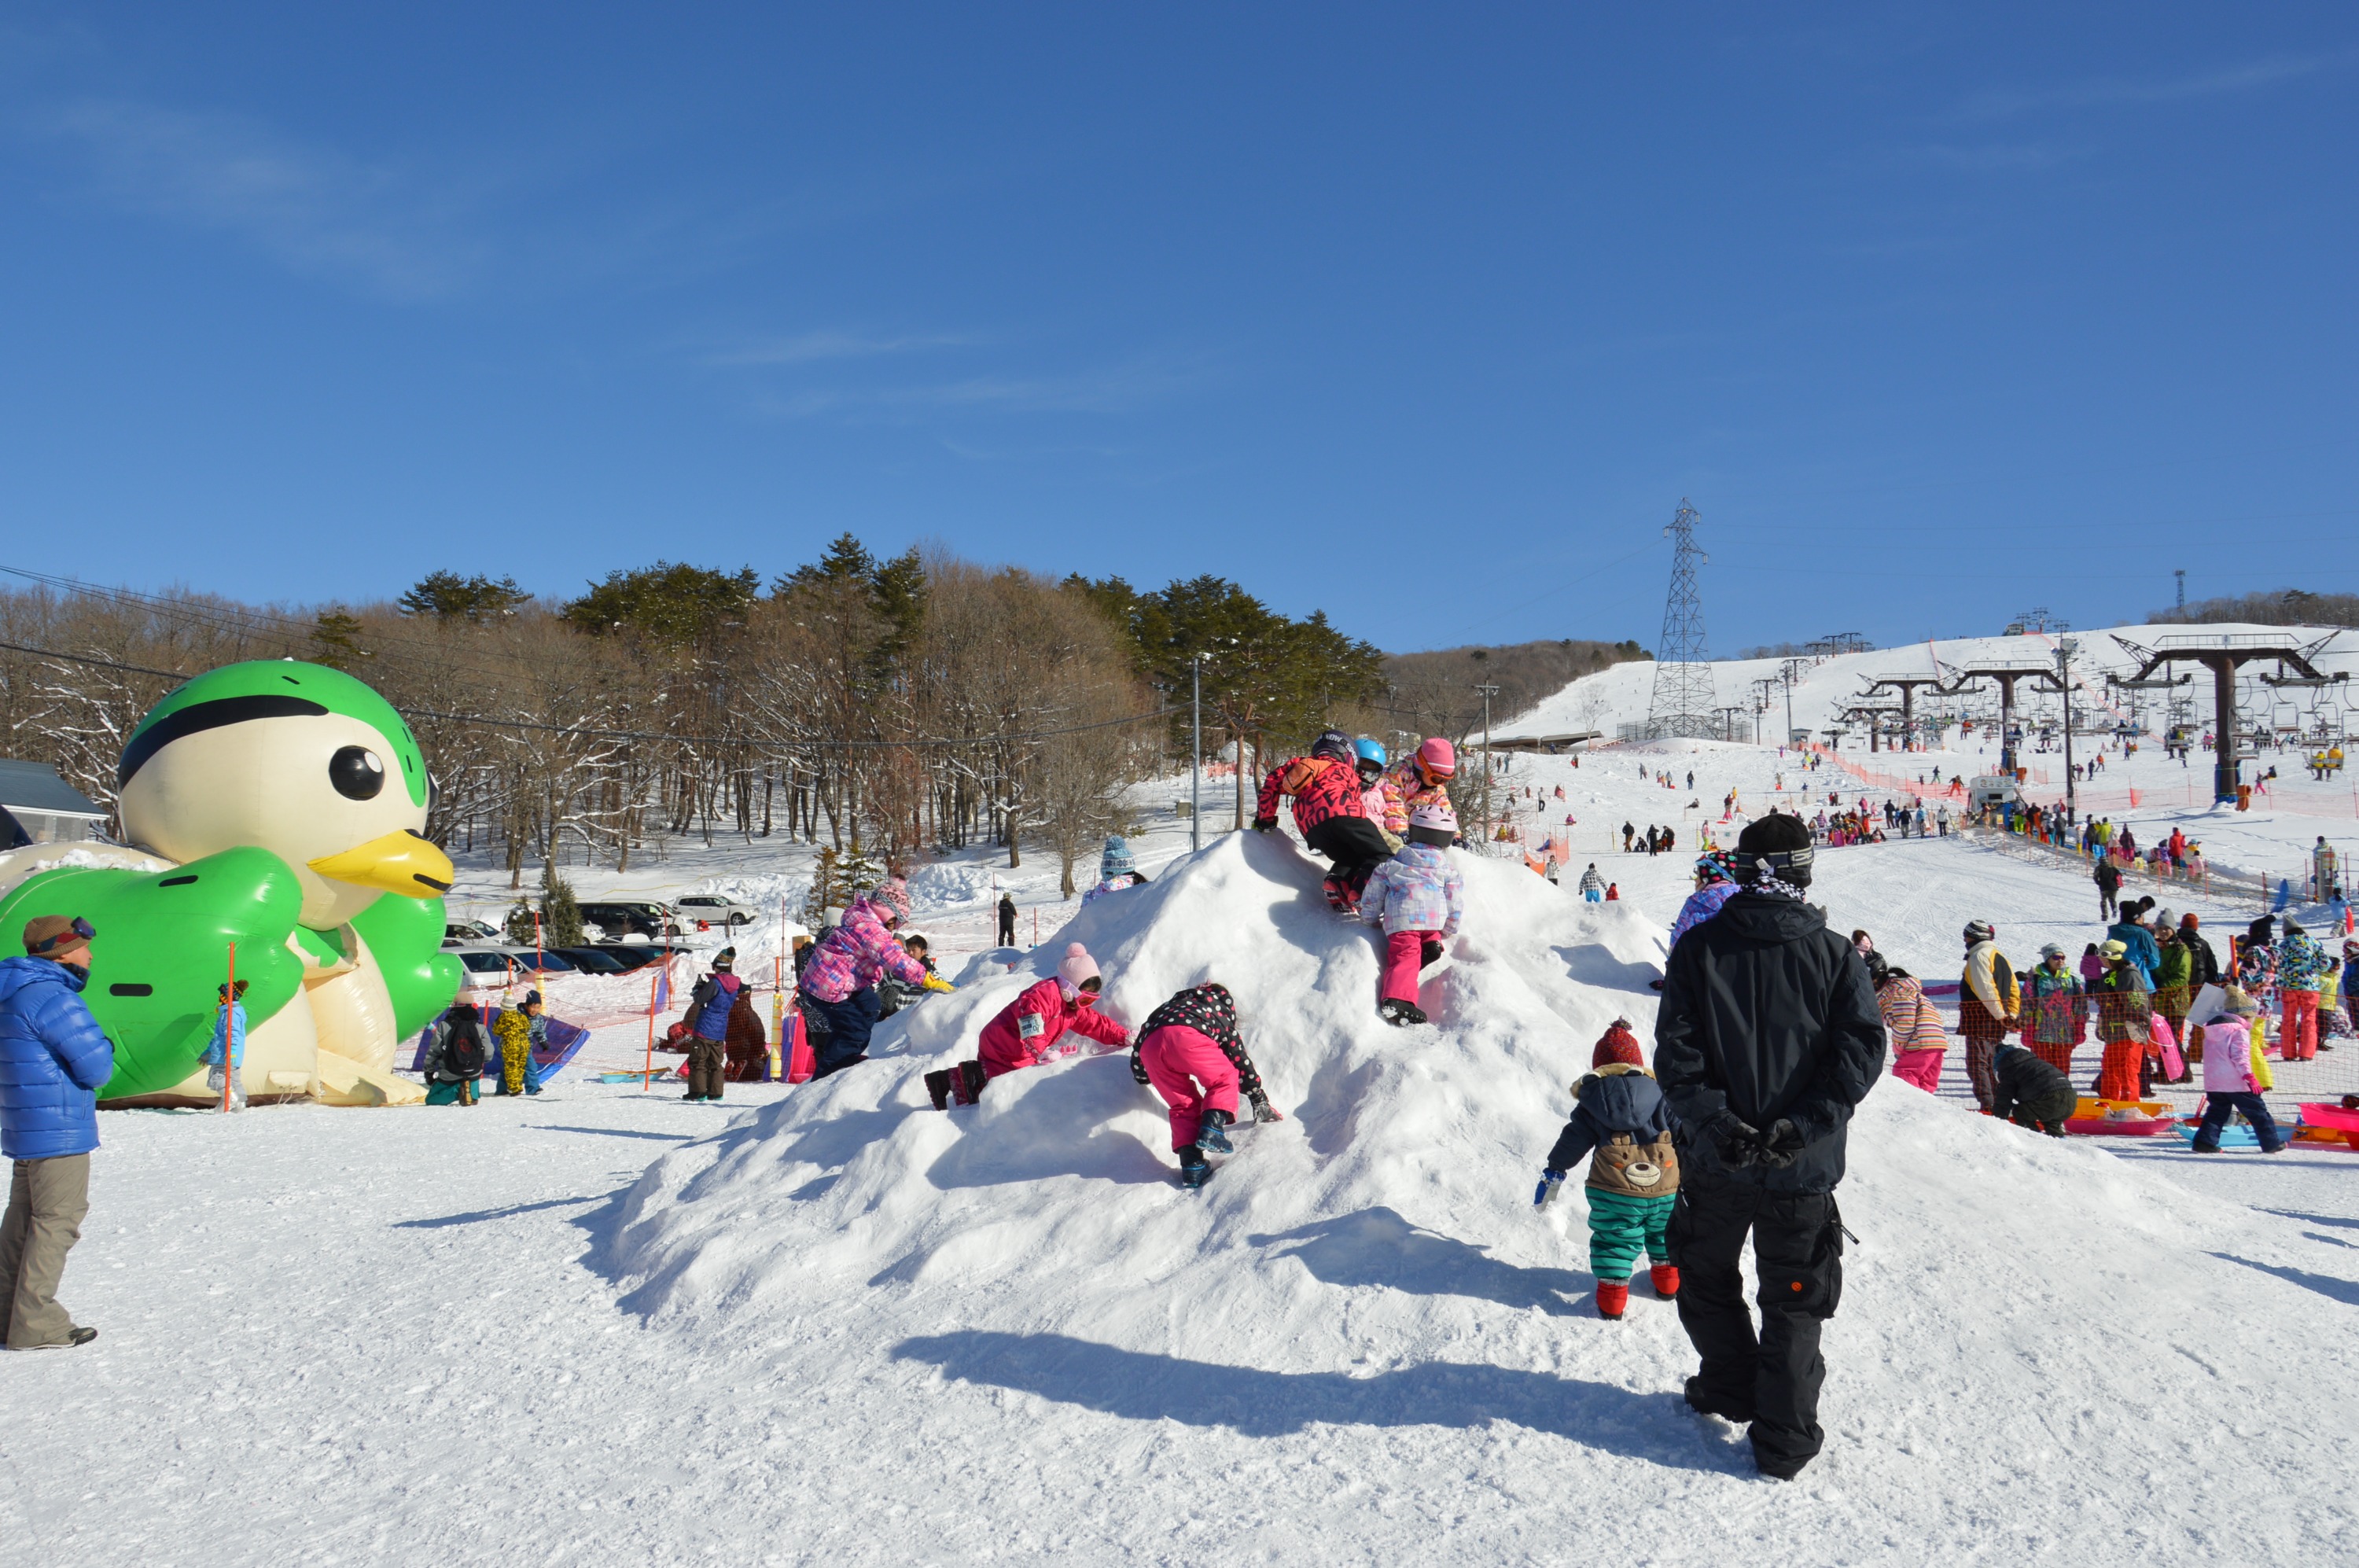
(808, 348)
(2105, 91)
(1114, 389)
(310, 209)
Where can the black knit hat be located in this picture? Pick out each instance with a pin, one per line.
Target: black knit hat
(1777, 846)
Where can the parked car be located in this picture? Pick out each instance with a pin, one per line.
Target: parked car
(593, 960)
(459, 932)
(639, 954)
(713, 909)
(619, 918)
(512, 961)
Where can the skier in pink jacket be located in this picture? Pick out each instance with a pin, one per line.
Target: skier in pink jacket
(1030, 1030)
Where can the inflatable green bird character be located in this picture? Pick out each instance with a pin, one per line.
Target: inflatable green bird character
(277, 806)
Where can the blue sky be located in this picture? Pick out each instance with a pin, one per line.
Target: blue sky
(1425, 316)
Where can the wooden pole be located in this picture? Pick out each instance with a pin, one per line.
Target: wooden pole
(229, 1033)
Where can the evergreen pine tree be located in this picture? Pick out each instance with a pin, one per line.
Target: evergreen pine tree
(561, 912)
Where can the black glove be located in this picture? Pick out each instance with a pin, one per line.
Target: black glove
(1739, 1141)
(1780, 1144)
(1263, 824)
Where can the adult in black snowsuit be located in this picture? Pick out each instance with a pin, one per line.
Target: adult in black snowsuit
(2202, 964)
(1768, 1035)
(1007, 920)
(2108, 879)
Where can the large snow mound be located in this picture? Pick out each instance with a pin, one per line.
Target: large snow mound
(2029, 1329)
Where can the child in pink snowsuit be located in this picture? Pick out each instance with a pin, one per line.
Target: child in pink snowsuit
(1030, 1030)
(1189, 1049)
(1417, 897)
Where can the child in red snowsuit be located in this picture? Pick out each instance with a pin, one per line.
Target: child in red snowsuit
(1031, 1029)
(1327, 809)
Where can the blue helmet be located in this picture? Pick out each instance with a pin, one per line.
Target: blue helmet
(1370, 751)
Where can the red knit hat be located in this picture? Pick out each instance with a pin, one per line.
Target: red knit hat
(1617, 1044)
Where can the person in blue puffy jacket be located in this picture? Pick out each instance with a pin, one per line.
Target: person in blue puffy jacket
(707, 1021)
(224, 1059)
(53, 1058)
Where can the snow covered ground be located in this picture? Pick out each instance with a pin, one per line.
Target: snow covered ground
(831, 1325)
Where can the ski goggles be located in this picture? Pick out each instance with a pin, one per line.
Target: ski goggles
(80, 931)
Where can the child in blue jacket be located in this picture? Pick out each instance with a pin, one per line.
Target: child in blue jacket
(228, 1042)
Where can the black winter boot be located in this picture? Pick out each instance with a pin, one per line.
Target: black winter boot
(1209, 1135)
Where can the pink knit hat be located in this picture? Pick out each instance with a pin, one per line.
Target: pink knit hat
(894, 895)
(1078, 966)
(1441, 758)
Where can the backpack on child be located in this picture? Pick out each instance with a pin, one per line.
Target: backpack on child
(462, 1052)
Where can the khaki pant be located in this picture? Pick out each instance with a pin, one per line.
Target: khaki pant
(705, 1059)
(47, 1201)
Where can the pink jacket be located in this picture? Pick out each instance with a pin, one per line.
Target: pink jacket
(2228, 1057)
(855, 955)
(1023, 1032)
(1386, 805)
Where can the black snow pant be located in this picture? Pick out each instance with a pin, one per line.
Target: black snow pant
(2108, 904)
(1772, 1380)
(1007, 928)
(1355, 847)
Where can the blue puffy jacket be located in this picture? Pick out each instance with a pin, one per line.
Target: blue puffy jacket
(710, 1002)
(53, 1057)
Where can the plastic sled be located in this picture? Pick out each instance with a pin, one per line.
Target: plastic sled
(2093, 1117)
(2236, 1134)
(2331, 1118)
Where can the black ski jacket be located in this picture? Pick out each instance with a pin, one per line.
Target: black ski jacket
(2023, 1079)
(1767, 1014)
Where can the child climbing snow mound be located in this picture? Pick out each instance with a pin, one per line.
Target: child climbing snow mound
(1331, 813)
(1031, 1029)
(1632, 1183)
(1419, 897)
(1189, 1050)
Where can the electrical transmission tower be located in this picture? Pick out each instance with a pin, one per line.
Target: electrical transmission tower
(1684, 700)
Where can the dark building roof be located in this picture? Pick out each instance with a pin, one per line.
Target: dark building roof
(35, 787)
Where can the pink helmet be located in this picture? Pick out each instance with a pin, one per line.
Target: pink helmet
(1438, 757)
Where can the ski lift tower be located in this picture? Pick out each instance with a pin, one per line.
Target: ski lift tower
(1907, 686)
(2043, 676)
(2223, 656)
(1684, 700)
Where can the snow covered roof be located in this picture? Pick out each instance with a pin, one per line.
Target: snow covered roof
(35, 787)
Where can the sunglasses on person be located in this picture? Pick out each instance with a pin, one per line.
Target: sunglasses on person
(81, 928)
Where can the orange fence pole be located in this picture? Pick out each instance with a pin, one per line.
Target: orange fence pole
(647, 1077)
(229, 1031)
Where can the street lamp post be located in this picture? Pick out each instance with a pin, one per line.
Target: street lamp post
(2065, 648)
(1195, 752)
(1488, 691)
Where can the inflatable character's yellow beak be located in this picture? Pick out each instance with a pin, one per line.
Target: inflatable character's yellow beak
(404, 863)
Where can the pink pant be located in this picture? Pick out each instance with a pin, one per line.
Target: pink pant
(1404, 956)
(1178, 1059)
(1922, 1068)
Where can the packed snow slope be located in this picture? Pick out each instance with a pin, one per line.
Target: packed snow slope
(1009, 1334)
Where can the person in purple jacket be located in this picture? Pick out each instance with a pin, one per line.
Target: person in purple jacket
(53, 1057)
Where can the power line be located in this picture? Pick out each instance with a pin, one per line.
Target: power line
(768, 743)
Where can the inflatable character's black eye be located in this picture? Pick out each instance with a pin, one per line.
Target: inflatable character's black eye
(356, 773)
